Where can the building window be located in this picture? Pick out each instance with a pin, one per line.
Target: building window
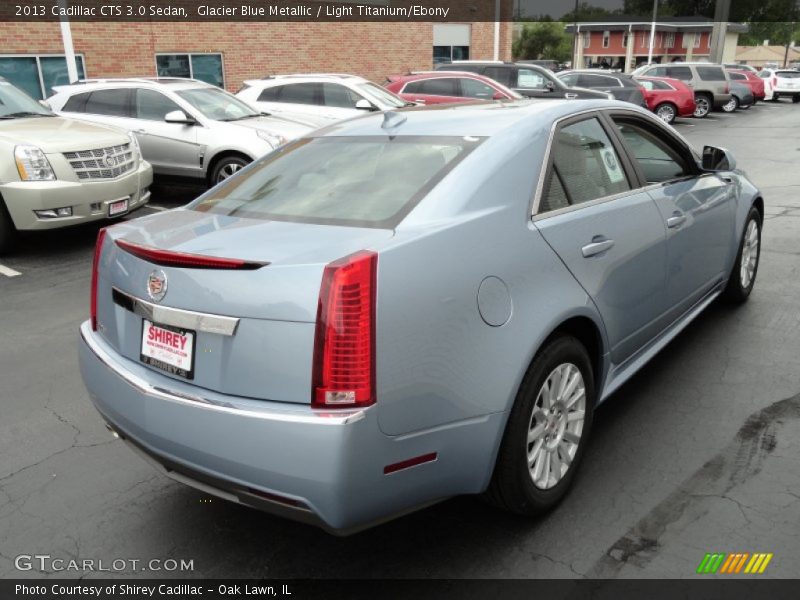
(587, 39)
(669, 40)
(205, 67)
(625, 37)
(645, 40)
(606, 38)
(38, 74)
(446, 54)
(697, 40)
(451, 42)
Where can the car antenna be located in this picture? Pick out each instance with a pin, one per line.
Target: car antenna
(392, 119)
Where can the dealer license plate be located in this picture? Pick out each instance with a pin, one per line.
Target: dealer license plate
(168, 348)
(118, 207)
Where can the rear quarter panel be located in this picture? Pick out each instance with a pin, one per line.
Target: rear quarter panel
(438, 362)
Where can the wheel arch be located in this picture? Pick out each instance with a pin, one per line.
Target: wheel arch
(212, 162)
(588, 332)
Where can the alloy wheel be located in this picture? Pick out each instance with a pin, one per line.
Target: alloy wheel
(702, 106)
(731, 105)
(750, 250)
(227, 170)
(666, 113)
(556, 425)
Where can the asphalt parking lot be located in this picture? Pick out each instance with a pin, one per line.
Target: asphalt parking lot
(698, 453)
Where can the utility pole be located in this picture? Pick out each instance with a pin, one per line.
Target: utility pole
(791, 34)
(575, 37)
(652, 32)
(719, 32)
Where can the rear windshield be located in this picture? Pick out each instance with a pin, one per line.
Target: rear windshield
(788, 74)
(370, 181)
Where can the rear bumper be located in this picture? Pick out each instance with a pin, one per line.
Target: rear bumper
(322, 468)
(22, 198)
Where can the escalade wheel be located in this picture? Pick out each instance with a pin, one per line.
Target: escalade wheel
(547, 430)
(743, 275)
(731, 105)
(702, 106)
(7, 230)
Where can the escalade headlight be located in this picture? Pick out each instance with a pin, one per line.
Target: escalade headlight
(135, 149)
(32, 164)
(272, 139)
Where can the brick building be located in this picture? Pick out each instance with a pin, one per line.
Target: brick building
(227, 53)
(625, 44)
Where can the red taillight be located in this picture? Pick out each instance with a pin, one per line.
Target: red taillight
(98, 249)
(774, 82)
(344, 342)
(169, 258)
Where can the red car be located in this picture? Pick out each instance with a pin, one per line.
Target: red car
(668, 98)
(446, 87)
(750, 79)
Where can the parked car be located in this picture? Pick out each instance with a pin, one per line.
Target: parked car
(750, 79)
(379, 316)
(447, 87)
(667, 98)
(741, 97)
(785, 82)
(710, 82)
(526, 79)
(56, 172)
(551, 65)
(186, 128)
(620, 85)
(740, 67)
(320, 99)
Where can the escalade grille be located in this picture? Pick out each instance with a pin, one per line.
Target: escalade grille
(101, 163)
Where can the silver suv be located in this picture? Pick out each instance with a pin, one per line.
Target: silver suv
(710, 82)
(56, 172)
(185, 127)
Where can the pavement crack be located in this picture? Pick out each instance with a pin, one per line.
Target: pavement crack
(740, 460)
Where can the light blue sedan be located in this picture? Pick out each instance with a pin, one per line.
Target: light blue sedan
(412, 305)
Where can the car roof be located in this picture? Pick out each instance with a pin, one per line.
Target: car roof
(483, 119)
(175, 83)
(271, 80)
(436, 74)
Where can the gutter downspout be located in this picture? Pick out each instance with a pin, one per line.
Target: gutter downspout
(652, 32)
(496, 30)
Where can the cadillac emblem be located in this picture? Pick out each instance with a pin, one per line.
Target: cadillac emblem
(157, 285)
(109, 161)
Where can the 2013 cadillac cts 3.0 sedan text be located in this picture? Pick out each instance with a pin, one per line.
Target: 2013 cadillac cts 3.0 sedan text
(412, 305)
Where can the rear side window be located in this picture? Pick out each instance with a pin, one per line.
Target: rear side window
(300, 93)
(269, 94)
(531, 79)
(370, 181)
(657, 72)
(500, 74)
(711, 73)
(737, 76)
(472, 88)
(682, 73)
(114, 103)
(585, 165)
(592, 80)
(434, 87)
(76, 103)
(764, 74)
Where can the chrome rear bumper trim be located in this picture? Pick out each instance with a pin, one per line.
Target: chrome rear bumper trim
(310, 417)
(177, 317)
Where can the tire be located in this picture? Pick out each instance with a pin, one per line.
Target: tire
(8, 232)
(731, 105)
(703, 106)
(775, 97)
(745, 269)
(513, 487)
(666, 112)
(227, 166)
(795, 99)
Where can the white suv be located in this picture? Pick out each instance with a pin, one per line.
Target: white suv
(185, 127)
(785, 82)
(319, 98)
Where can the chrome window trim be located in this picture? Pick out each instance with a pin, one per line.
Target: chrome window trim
(185, 319)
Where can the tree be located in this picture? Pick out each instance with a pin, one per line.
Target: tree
(543, 40)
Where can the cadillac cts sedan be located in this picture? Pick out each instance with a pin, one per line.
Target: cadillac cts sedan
(412, 305)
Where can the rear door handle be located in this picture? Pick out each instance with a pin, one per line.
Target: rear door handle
(676, 220)
(140, 132)
(570, 96)
(597, 247)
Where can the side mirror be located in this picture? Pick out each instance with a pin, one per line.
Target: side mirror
(549, 86)
(718, 159)
(180, 117)
(365, 104)
(44, 103)
(498, 96)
